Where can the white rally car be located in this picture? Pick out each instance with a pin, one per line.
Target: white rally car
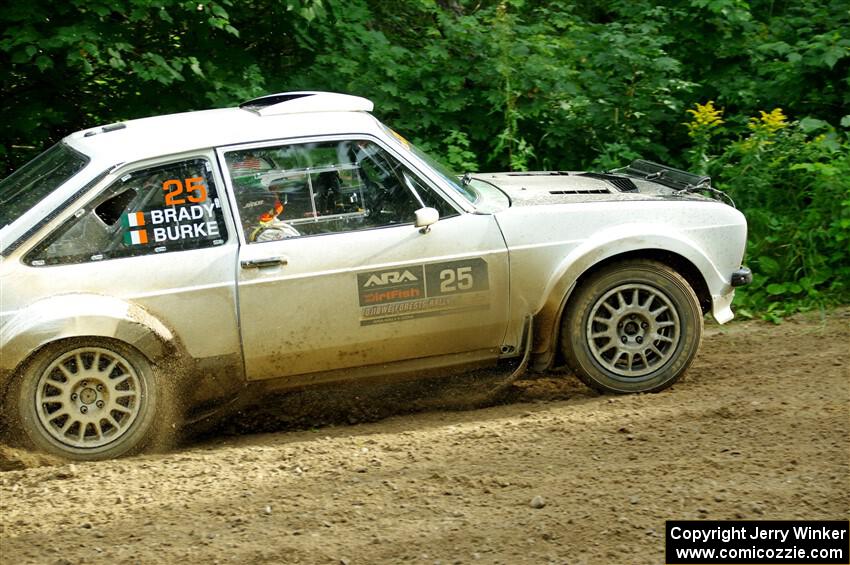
(154, 269)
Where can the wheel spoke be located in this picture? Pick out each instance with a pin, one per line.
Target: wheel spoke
(98, 431)
(68, 423)
(605, 321)
(635, 296)
(109, 368)
(111, 419)
(617, 355)
(659, 310)
(115, 383)
(659, 337)
(61, 385)
(80, 366)
(58, 414)
(67, 372)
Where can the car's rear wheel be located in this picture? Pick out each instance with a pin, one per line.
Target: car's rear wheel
(90, 399)
(633, 326)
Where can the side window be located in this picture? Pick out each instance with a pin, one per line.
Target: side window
(324, 187)
(165, 208)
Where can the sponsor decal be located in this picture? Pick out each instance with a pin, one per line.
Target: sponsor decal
(134, 219)
(190, 214)
(401, 138)
(186, 231)
(183, 213)
(435, 289)
(136, 237)
(179, 192)
(391, 277)
(457, 277)
(391, 285)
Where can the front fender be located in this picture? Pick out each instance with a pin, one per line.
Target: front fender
(603, 245)
(76, 315)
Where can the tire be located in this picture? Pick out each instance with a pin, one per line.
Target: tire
(633, 326)
(90, 399)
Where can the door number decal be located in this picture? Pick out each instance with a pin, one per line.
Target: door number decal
(392, 295)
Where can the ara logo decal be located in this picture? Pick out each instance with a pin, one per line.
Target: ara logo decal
(391, 285)
(423, 290)
(391, 277)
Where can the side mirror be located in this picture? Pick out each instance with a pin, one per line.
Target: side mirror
(425, 217)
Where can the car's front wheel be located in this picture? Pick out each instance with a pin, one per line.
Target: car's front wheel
(89, 399)
(633, 326)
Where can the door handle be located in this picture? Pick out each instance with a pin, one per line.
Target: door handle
(259, 263)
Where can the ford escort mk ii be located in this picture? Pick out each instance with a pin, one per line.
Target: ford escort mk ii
(157, 268)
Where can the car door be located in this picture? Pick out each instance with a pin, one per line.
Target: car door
(332, 273)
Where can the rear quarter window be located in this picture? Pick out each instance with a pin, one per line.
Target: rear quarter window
(160, 209)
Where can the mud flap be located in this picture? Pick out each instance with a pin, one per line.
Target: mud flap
(528, 336)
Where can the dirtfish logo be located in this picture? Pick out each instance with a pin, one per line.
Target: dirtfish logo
(391, 277)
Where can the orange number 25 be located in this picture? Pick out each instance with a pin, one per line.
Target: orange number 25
(196, 191)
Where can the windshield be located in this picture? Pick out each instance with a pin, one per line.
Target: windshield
(30, 184)
(451, 178)
(488, 199)
(447, 174)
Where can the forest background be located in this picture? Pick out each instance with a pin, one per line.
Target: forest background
(755, 93)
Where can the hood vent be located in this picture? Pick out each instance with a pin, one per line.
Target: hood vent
(622, 184)
(582, 191)
(538, 174)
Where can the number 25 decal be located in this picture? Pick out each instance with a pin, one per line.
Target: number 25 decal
(452, 280)
(174, 188)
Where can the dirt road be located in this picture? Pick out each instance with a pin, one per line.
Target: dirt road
(759, 429)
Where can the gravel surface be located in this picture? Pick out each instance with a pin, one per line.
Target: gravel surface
(759, 429)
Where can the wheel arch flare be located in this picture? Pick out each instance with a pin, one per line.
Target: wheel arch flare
(679, 253)
(85, 315)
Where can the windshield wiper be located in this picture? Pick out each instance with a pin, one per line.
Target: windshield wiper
(467, 177)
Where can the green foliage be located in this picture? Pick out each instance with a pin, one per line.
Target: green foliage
(494, 84)
(457, 153)
(71, 65)
(792, 180)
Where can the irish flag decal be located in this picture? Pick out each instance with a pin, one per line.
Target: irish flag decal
(136, 237)
(134, 219)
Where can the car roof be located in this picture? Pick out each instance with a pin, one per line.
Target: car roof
(283, 115)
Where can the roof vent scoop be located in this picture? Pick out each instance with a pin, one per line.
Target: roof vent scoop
(300, 102)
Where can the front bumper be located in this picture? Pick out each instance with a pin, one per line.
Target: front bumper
(741, 277)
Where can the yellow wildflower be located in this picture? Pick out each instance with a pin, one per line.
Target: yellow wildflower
(705, 118)
(770, 122)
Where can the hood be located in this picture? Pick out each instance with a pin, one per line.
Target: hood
(560, 187)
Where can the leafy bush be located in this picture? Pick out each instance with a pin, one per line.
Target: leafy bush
(792, 181)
